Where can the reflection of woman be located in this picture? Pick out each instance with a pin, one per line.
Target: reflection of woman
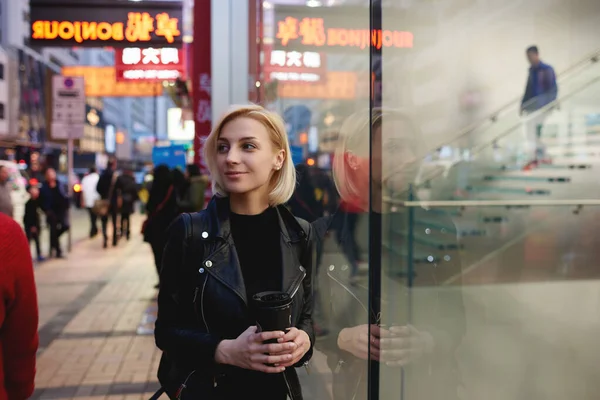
(245, 242)
(419, 325)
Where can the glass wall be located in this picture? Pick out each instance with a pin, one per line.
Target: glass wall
(447, 155)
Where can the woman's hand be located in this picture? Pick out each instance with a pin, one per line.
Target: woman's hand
(249, 352)
(357, 341)
(300, 344)
(397, 347)
(405, 346)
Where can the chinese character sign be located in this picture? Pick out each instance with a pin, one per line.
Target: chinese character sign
(92, 24)
(326, 29)
(149, 64)
(292, 65)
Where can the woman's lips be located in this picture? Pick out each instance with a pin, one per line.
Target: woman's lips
(234, 174)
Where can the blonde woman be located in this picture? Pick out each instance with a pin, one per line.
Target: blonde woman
(245, 242)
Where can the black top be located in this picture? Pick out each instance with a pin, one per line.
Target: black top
(32, 217)
(256, 239)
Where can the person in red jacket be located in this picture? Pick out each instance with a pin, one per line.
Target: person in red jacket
(18, 313)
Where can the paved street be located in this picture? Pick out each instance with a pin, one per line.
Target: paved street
(97, 312)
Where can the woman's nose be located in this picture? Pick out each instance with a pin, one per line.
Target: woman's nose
(233, 156)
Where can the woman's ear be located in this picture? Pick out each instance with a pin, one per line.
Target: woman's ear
(279, 159)
(351, 160)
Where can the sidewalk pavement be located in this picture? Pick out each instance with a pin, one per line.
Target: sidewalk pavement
(97, 311)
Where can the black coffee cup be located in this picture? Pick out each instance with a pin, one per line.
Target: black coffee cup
(273, 311)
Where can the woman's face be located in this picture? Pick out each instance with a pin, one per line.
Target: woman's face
(246, 157)
(393, 162)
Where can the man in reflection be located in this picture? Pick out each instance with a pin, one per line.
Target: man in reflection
(415, 332)
(541, 90)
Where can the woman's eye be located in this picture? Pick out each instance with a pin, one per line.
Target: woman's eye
(248, 146)
(222, 148)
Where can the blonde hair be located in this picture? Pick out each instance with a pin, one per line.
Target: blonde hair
(283, 181)
(354, 137)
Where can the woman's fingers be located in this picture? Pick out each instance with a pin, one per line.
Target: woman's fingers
(270, 335)
(270, 359)
(277, 348)
(289, 336)
(397, 356)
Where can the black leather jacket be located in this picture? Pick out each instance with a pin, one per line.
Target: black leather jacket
(202, 301)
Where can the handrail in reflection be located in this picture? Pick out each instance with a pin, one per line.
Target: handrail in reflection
(592, 58)
(478, 148)
(490, 203)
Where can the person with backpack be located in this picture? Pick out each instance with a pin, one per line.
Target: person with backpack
(244, 243)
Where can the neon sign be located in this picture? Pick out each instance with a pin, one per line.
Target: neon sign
(312, 32)
(291, 65)
(149, 64)
(138, 28)
(106, 24)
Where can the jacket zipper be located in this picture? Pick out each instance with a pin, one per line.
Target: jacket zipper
(183, 386)
(202, 305)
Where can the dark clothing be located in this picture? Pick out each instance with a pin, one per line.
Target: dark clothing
(53, 200)
(203, 300)
(32, 216)
(55, 204)
(107, 187)
(541, 88)
(31, 223)
(93, 222)
(104, 187)
(159, 219)
(104, 220)
(35, 236)
(261, 269)
(127, 188)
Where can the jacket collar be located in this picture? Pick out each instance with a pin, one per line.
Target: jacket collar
(219, 212)
(225, 255)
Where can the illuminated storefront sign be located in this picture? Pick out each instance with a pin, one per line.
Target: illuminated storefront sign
(112, 24)
(101, 82)
(302, 28)
(149, 64)
(283, 65)
(338, 85)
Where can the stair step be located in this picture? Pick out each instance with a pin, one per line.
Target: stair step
(525, 178)
(505, 190)
(566, 166)
(429, 240)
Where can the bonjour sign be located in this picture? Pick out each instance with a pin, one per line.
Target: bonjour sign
(95, 25)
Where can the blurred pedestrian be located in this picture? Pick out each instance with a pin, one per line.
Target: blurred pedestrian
(161, 210)
(106, 190)
(18, 313)
(55, 204)
(127, 189)
(31, 220)
(89, 197)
